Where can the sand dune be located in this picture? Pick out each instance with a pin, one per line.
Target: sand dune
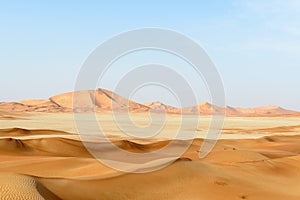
(101, 100)
(10, 115)
(17, 186)
(42, 157)
(208, 109)
(160, 107)
(24, 132)
(33, 102)
(266, 110)
(43, 107)
(236, 169)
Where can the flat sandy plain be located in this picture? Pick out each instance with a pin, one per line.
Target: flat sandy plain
(42, 157)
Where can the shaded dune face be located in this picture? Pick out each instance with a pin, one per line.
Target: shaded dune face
(48, 106)
(160, 107)
(24, 132)
(104, 100)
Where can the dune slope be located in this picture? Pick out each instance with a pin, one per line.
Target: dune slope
(61, 168)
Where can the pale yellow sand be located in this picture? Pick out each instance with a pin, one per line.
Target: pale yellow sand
(44, 160)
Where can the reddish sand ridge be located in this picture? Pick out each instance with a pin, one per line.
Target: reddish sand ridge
(105, 100)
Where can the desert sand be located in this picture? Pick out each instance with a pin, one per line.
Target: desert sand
(102, 100)
(42, 157)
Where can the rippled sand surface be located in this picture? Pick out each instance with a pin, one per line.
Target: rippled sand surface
(42, 157)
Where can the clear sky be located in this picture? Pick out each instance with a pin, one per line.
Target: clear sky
(255, 44)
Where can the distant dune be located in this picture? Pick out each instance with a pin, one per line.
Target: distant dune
(105, 100)
(160, 107)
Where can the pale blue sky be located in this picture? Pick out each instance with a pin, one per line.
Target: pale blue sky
(254, 44)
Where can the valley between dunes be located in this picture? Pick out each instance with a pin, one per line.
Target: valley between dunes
(42, 157)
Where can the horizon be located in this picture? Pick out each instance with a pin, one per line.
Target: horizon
(255, 46)
(151, 99)
(143, 103)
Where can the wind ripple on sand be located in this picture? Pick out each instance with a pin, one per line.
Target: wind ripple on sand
(236, 169)
(15, 186)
